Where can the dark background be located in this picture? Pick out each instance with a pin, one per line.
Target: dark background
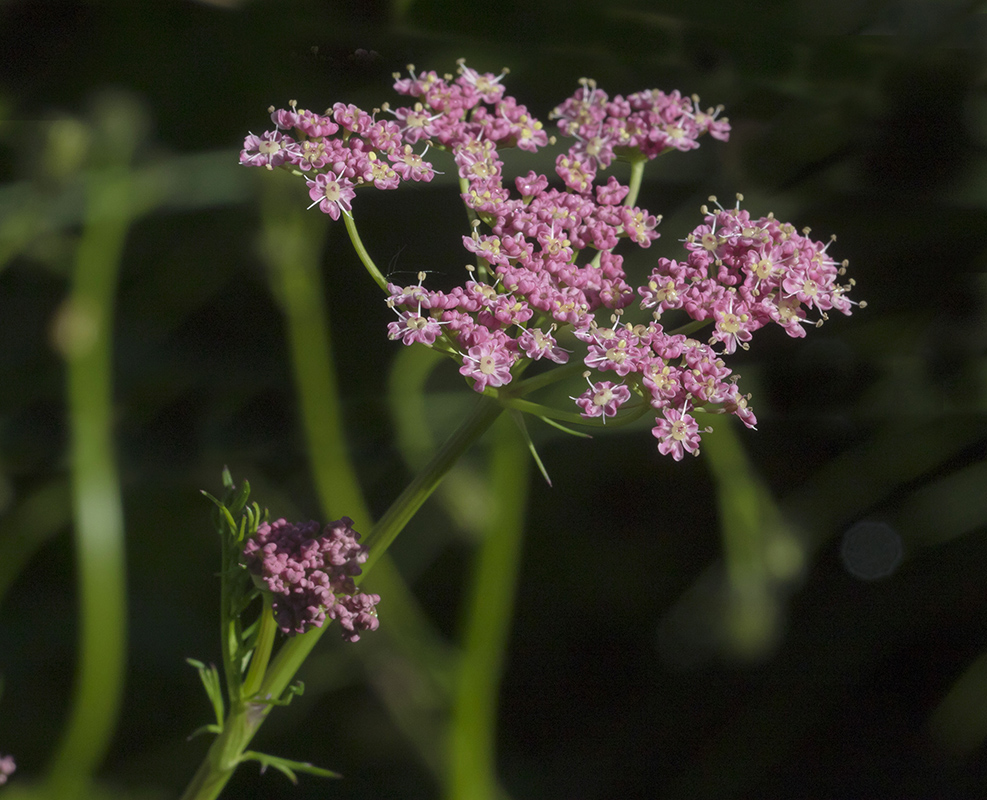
(867, 120)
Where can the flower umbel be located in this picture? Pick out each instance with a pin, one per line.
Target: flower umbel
(546, 260)
(310, 572)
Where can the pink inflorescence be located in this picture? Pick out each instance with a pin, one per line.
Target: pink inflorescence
(545, 256)
(337, 151)
(310, 571)
(738, 275)
(7, 767)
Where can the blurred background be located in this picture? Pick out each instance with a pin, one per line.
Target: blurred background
(800, 612)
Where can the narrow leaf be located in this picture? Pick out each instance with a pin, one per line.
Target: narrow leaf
(518, 418)
(287, 766)
(210, 680)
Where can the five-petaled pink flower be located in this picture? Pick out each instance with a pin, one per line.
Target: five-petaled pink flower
(488, 364)
(332, 194)
(677, 433)
(602, 399)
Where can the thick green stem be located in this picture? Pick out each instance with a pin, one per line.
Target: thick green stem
(261, 656)
(224, 754)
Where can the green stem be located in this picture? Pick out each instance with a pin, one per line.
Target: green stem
(229, 624)
(421, 487)
(472, 759)
(634, 185)
(361, 251)
(225, 752)
(84, 333)
(296, 275)
(240, 724)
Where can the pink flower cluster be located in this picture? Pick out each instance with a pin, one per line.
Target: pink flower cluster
(743, 274)
(739, 273)
(366, 151)
(641, 125)
(310, 571)
(545, 257)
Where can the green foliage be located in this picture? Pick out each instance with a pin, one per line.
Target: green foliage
(235, 522)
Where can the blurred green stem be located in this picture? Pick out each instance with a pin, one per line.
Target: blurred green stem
(293, 244)
(634, 186)
(472, 771)
(83, 332)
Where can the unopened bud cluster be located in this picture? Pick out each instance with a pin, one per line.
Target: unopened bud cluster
(309, 570)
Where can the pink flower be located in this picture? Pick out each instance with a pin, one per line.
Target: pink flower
(488, 364)
(413, 328)
(578, 174)
(410, 166)
(537, 344)
(270, 149)
(611, 194)
(331, 193)
(315, 125)
(486, 86)
(602, 399)
(677, 433)
(7, 767)
(545, 257)
(531, 184)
